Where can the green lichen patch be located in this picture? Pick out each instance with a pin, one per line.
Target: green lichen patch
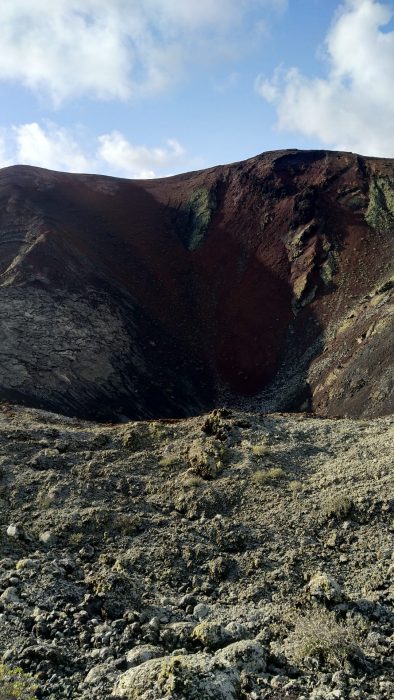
(380, 212)
(15, 683)
(196, 216)
(328, 269)
(179, 679)
(210, 634)
(189, 677)
(297, 240)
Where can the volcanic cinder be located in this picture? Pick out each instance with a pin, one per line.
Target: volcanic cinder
(264, 282)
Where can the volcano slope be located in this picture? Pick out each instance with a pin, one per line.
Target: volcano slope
(267, 280)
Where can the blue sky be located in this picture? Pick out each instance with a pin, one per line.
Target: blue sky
(145, 88)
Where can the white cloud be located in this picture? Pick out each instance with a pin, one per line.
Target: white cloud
(53, 148)
(116, 48)
(64, 49)
(138, 161)
(56, 148)
(4, 161)
(353, 107)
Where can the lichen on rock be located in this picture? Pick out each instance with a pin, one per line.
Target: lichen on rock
(188, 677)
(196, 216)
(380, 212)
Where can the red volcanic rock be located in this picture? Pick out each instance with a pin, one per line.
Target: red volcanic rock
(267, 279)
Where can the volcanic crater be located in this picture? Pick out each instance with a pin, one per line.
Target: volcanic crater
(263, 284)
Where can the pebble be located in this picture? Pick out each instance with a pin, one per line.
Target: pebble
(47, 537)
(201, 611)
(278, 681)
(10, 595)
(138, 655)
(325, 587)
(154, 623)
(187, 600)
(12, 531)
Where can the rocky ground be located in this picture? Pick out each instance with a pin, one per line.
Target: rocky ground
(232, 556)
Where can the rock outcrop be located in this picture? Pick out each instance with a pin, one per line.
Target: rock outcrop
(267, 279)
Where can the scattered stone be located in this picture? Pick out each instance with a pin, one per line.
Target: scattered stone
(247, 656)
(325, 588)
(138, 655)
(201, 611)
(10, 595)
(47, 538)
(236, 630)
(186, 676)
(12, 531)
(211, 634)
(106, 671)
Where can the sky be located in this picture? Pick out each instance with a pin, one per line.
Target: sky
(150, 88)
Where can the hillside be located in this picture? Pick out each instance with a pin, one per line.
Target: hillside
(265, 283)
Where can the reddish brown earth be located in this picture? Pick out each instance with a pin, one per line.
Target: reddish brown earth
(268, 280)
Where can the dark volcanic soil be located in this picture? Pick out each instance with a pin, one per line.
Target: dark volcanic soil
(267, 280)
